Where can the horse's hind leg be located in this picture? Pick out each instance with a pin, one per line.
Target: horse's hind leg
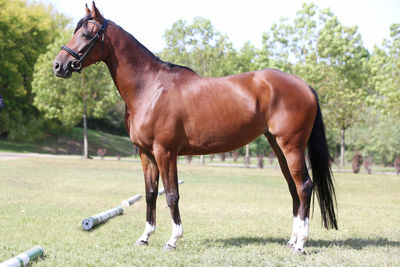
(151, 177)
(292, 161)
(292, 186)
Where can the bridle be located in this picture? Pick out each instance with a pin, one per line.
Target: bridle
(76, 64)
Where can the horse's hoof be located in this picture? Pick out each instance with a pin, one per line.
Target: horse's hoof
(141, 243)
(297, 251)
(168, 247)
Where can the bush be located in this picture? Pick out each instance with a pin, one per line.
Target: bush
(397, 165)
(357, 162)
(102, 152)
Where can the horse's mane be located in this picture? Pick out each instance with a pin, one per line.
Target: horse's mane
(170, 66)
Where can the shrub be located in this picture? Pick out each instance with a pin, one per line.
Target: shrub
(102, 152)
(357, 162)
(397, 165)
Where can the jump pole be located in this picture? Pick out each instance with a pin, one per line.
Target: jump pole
(24, 258)
(130, 201)
(97, 219)
(162, 191)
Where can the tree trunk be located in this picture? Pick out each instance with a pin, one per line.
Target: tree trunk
(342, 148)
(247, 156)
(85, 139)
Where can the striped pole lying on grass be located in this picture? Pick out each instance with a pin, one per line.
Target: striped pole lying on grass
(162, 191)
(24, 258)
(130, 201)
(97, 219)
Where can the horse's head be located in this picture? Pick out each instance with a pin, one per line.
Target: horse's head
(86, 46)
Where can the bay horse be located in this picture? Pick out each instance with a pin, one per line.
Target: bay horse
(171, 111)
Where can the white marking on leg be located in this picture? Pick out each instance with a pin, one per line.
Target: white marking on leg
(293, 238)
(302, 234)
(177, 232)
(148, 231)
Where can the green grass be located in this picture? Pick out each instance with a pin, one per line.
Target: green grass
(71, 143)
(231, 217)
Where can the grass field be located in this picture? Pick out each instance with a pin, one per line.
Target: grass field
(231, 217)
(71, 143)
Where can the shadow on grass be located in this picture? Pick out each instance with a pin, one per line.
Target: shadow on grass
(355, 243)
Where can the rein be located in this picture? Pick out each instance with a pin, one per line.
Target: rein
(76, 64)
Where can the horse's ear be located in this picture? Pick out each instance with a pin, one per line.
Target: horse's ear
(96, 13)
(88, 12)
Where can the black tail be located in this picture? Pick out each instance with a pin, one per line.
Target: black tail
(321, 170)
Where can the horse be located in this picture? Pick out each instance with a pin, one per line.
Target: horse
(171, 111)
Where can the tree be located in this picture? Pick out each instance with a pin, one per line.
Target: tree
(92, 93)
(26, 28)
(345, 90)
(385, 65)
(200, 47)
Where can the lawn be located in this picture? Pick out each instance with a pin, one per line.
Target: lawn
(71, 143)
(231, 217)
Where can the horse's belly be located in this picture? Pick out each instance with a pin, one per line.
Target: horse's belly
(223, 136)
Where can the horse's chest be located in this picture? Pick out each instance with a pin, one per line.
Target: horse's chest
(140, 131)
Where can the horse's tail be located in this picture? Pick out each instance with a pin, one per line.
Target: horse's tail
(321, 170)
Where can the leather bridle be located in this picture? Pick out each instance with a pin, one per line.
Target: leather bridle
(76, 64)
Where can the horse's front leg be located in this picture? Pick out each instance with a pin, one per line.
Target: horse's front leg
(166, 161)
(151, 177)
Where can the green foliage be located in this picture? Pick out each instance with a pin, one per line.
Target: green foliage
(385, 65)
(377, 136)
(260, 146)
(343, 91)
(26, 29)
(63, 99)
(200, 47)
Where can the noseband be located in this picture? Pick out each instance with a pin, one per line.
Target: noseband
(76, 64)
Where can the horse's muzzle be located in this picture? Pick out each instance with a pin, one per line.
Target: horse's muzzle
(63, 70)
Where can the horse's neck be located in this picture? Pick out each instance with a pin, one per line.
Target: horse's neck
(130, 65)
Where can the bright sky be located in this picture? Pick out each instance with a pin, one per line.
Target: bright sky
(242, 21)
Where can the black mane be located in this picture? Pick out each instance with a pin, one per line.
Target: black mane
(168, 65)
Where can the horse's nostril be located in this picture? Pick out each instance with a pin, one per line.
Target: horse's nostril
(56, 66)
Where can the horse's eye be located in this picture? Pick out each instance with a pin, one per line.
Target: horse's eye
(85, 35)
